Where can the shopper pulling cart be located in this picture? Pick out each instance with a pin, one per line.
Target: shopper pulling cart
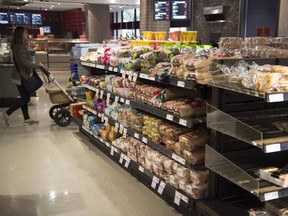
(58, 95)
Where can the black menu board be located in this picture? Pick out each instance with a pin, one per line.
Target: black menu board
(20, 18)
(161, 10)
(4, 18)
(36, 19)
(180, 10)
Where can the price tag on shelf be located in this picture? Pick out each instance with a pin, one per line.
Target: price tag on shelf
(101, 140)
(129, 75)
(107, 144)
(112, 151)
(144, 139)
(177, 198)
(101, 94)
(127, 102)
(102, 117)
(183, 122)
(161, 187)
(106, 119)
(169, 117)
(136, 135)
(121, 129)
(110, 68)
(271, 196)
(178, 158)
(275, 98)
(155, 181)
(116, 98)
(125, 133)
(116, 127)
(115, 69)
(128, 160)
(141, 169)
(185, 199)
(121, 159)
(273, 148)
(181, 84)
(122, 100)
(144, 76)
(97, 92)
(101, 66)
(135, 76)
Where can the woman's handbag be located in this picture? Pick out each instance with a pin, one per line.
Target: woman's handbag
(33, 83)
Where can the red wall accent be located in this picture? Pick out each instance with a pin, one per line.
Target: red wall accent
(72, 22)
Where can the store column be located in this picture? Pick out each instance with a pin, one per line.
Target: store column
(97, 18)
(147, 22)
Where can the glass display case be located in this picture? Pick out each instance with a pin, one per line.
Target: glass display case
(5, 52)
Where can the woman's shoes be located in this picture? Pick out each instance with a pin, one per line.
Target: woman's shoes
(30, 122)
(5, 118)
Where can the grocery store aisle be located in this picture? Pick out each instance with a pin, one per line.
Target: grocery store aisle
(48, 170)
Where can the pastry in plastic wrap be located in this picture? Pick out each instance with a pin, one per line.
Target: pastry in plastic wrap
(172, 131)
(199, 176)
(174, 181)
(196, 191)
(230, 43)
(194, 138)
(182, 185)
(179, 148)
(183, 174)
(168, 165)
(195, 156)
(170, 144)
(174, 93)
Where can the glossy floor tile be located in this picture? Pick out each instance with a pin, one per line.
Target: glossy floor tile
(48, 170)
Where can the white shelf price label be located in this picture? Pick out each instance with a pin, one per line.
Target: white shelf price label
(116, 127)
(169, 117)
(141, 169)
(128, 160)
(106, 119)
(121, 158)
(125, 133)
(275, 98)
(183, 122)
(271, 196)
(136, 135)
(107, 144)
(178, 158)
(135, 76)
(123, 74)
(121, 129)
(177, 198)
(110, 68)
(101, 140)
(101, 66)
(143, 75)
(185, 199)
(102, 117)
(144, 139)
(116, 98)
(155, 181)
(112, 151)
(101, 94)
(161, 187)
(181, 84)
(122, 100)
(127, 102)
(130, 77)
(97, 92)
(115, 69)
(273, 148)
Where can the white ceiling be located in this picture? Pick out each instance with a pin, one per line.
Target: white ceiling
(62, 5)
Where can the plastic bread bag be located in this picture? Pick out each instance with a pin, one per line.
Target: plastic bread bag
(258, 212)
(195, 156)
(199, 176)
(230, 43)
(269, 82)
(278, 207)
(197, 192)
(183, 174)
(168, 165)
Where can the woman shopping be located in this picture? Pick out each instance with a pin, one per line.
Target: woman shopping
(22, 72)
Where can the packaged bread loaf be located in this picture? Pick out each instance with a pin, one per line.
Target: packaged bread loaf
(196, 191)
(230, 43)
(183, 174)
(168, 166)
(194, 138)
(195, 156)
(199, 176)
(174, 181)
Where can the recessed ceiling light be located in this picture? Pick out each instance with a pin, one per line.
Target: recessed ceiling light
(18, 8)
(46, 9)
(59, 4)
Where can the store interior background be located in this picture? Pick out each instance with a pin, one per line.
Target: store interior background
(70, 19)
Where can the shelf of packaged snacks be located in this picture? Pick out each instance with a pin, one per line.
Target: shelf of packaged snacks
(177, 199)
(137, 135)
(188, 84)
(257, 128)
(187, 122)
(269, 97)
(246, 179)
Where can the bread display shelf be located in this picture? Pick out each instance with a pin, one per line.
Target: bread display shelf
(271, 97)
(254, 127)
(177, 199)
(187, 122)
(264, 190)
(143, 139)
(188, 84)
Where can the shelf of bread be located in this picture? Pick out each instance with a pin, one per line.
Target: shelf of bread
(130, 155)
(264, 129)
(194, 159)
(133, 76)
(187, 122)
(224, 167)
(269, 82)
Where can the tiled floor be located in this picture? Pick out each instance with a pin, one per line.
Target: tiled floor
(48, 170)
